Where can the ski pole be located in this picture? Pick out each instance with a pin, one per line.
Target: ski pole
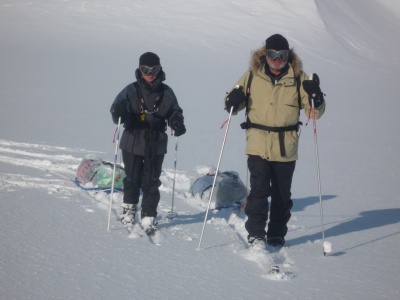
(326, 251)
(113, 175)
(173, 214)
(215, 176)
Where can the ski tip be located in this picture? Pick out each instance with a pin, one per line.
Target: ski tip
(275, 269)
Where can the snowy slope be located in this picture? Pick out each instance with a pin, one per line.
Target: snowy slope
(62, 64)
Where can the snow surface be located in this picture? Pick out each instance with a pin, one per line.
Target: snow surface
(64, 61)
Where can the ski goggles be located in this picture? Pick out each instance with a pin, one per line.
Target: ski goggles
(273, 54)
(149, 70)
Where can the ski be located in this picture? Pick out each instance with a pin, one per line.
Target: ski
(134, 231)
(274, 252)
(155, 238)
(274, 269)
(274, 262)
(281, 264)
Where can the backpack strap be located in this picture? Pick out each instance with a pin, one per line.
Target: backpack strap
(298, 83)
(247, 95)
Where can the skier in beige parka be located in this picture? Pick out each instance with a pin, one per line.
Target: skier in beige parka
(276, 92)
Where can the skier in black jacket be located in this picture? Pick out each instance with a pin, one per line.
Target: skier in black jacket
(145, 107)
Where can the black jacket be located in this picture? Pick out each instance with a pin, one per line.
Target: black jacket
(139, 126)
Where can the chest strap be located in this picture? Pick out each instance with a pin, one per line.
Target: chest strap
(143, 107)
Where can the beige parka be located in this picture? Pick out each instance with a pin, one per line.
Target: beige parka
(274, 105)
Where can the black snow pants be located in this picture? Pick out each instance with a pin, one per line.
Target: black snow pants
(138, 177)
(269, 179)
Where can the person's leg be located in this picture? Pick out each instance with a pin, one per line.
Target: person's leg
(151, 193)
(257, 201)
(281, 202)
(133, 165)
(133, 171)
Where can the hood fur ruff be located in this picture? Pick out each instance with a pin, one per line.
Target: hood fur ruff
(259, 56)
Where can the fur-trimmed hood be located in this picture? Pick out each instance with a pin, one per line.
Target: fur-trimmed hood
(259, 57)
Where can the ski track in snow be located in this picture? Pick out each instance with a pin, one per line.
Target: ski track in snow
(62, 163)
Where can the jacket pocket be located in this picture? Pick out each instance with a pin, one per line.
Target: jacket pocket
(291, 143)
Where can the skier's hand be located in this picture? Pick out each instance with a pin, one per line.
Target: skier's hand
(234, 99)
(313, 90)
(178, 126)
(119, 109)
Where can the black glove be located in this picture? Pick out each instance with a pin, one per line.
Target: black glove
(178, 127)
(234, 99)
(119, 109)
(176, 124)
(314, 91)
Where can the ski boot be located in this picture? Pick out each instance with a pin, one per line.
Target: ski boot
(256, 241)
(149, 225)
(128, 214)
(276, 242)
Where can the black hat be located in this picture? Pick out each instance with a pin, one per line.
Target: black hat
(149, 59)
(276, 42)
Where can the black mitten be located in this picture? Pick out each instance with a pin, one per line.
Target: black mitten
(314, 91)
(176, 123)
(234, 99)
(119, 109)
(177, 126)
